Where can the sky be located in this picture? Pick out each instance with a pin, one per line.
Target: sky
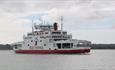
(92, 20)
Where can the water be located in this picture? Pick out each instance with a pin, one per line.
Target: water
(96, 60)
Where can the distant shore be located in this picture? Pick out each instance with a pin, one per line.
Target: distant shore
(103, 46)
(6, 47)
(93, 46)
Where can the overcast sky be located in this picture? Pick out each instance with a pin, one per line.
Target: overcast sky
(92, 20)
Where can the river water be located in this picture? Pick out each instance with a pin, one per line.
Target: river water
(96, 60)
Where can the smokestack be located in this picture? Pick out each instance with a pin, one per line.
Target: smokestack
(55, 26)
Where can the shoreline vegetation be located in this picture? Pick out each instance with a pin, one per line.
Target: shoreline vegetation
(103, 46)
(6, 47)
(93, 46)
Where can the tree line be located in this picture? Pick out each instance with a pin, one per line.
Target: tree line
(103, 46)
(6, 47)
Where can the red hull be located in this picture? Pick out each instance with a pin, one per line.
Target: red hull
(53, 51)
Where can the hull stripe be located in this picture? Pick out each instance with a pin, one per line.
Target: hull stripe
(53, 51)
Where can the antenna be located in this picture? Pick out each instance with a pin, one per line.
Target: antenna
(32, 26)
(61, 23)
(40, 19)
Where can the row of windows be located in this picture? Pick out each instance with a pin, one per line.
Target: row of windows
(59, 32)
(36, 44)
(56, 36)
(60, 37)
(32, 40)
(56, 32)
(64, 45)
(45, 36)
(42, 33)
(37, 33)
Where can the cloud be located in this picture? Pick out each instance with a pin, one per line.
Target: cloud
(78, 9)
(16, 16)
(95, 10)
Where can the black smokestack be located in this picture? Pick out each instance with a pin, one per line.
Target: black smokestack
(55, 26)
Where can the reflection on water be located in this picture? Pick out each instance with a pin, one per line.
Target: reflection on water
(96, 60)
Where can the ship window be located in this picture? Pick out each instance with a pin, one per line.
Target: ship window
(44, 44)
(35, 42)
(16, 47)
(56, 32)
(40, 40)
(50, 40)
(71, 44)
(66, 45)
(59, 45)
(37, 34)
(30, 37)
(25, 37)
(46, 32)
(88, 44)
(64, 32)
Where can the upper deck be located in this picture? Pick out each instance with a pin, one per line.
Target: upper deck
(49, 31)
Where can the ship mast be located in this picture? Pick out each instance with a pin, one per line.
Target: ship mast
(32, 26)
(61, 24)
